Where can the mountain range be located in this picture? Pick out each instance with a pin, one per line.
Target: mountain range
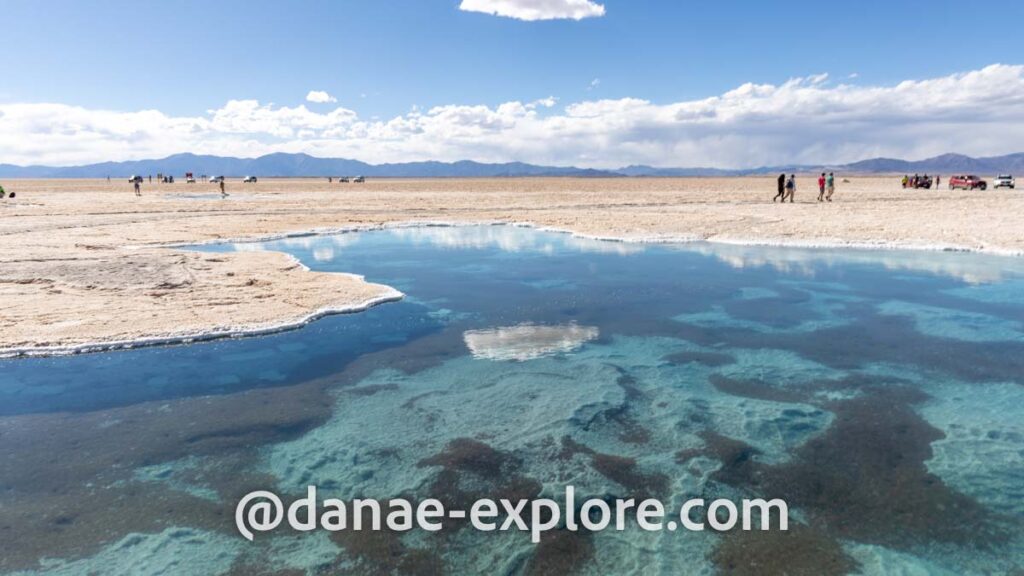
(294, 165)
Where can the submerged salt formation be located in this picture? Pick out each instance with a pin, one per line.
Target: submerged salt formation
(610, 421)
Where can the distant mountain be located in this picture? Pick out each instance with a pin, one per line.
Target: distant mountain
(674, 172)
(293, 165)
(945, 164)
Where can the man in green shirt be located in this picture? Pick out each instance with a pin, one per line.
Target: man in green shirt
(830, 186)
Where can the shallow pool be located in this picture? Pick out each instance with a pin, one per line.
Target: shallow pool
(880, 393)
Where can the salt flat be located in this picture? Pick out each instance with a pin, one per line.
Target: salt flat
(86, 262)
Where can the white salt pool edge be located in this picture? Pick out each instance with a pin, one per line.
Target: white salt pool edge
(390, 295)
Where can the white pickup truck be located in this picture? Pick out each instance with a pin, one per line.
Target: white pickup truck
(1004, 181)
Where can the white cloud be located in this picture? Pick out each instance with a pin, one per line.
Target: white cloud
(548, 102)
(531, 10)
(320, 97)
(803, 120)
(593, 84)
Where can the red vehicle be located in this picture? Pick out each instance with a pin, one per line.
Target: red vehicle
(970, 182)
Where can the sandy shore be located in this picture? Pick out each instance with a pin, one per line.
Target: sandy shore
(86, 263)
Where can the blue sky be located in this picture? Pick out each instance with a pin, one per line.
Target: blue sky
(379, 59)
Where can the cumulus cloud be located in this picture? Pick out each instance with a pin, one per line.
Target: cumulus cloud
(548, 102)
(531, 10)
(810, 120)
(320, 97)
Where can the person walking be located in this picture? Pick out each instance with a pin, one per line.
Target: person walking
(138, 187)
(830, 186)
(790, 189)
(821, 187)
(223, 193)
(782, 188)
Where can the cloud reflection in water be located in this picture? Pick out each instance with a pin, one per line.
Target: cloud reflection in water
(527, 341)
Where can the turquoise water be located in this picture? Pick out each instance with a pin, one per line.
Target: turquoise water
(880, 393)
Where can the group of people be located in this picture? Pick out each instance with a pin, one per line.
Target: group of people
(787, 187)
(917, 181)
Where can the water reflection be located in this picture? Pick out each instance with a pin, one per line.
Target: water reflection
(527, 341)
(509, 239)
(970, 268)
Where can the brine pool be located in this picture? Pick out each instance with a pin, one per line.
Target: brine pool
(880, 393)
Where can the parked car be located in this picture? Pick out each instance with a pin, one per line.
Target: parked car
(135, 179)
(343, 179)
(967, 182)
(216, 179)
(249, 180)
(1004, 181)
(359, 179)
